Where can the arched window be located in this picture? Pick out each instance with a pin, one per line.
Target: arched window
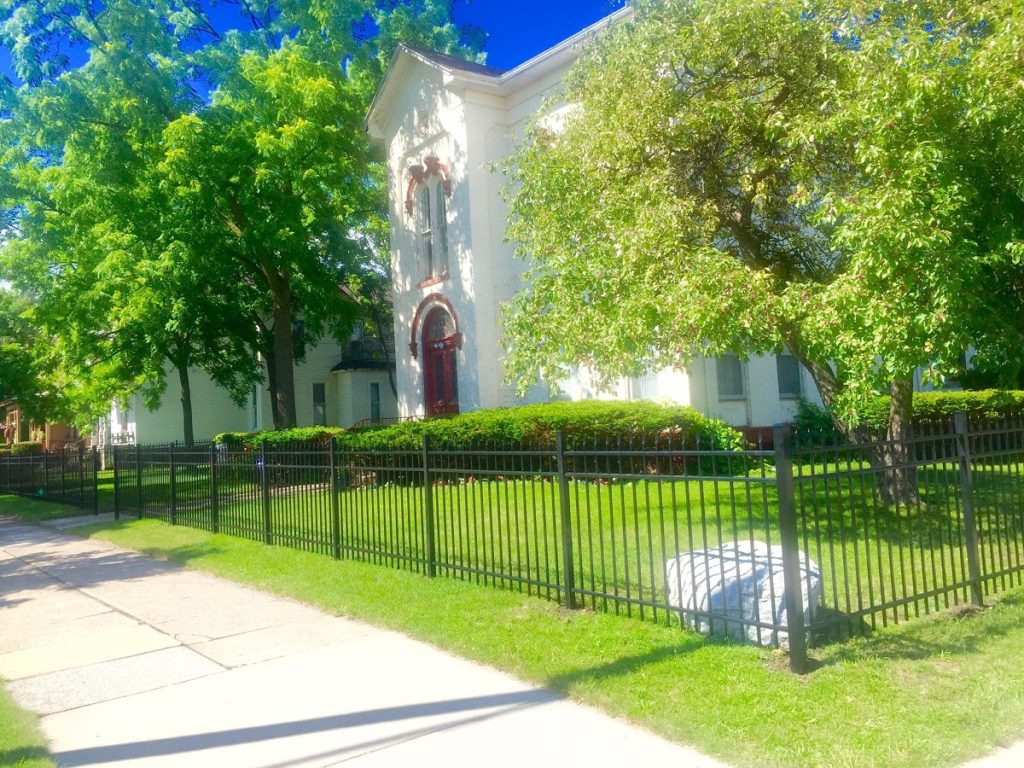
(425, 233)
(427, 203)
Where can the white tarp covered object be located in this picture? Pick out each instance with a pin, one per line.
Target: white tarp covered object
(742, 581)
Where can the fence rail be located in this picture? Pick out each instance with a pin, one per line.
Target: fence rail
(839, 539)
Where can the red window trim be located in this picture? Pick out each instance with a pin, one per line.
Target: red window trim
(418, 174)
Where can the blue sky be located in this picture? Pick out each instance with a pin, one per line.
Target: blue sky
(518, 29)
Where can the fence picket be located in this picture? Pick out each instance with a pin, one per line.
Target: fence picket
(602, 525)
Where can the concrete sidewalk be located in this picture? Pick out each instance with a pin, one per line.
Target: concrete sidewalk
(131, 661)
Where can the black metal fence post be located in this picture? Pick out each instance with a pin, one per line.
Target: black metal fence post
(214, 491)
(428, 509)
(115, 460)
(95, 480)
(173, 486)
(790, 540)
(265, 486)
(138, 481)
(332, 478)
(63, 467)
(967, 493)
(46, 475)
(568, 570)
(81, 476)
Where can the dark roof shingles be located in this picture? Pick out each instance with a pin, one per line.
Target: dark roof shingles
(454, 62)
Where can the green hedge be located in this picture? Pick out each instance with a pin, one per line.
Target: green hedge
(531, 423)
(27, 449)
(940, 406)
(814, 423)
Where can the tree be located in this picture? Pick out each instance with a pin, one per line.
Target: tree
(750, 176)
(21, 379)
(92, 235)
(192, 194)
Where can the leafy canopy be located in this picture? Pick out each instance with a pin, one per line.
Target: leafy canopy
(743, 176)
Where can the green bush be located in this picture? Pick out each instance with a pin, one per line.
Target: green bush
(813, 424)
(590, 420)
(815, 427)
(940, 406)
(27, 449)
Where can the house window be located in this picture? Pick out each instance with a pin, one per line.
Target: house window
(255, 412)
(319, 405)
(790, 384)
(441, 227)
(375, 402)
(432, 228)
(424, 224)
(730, 378)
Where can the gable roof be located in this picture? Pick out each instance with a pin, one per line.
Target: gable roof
(481, 76)
(447, 61)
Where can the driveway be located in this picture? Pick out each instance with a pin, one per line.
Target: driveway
(131, 661)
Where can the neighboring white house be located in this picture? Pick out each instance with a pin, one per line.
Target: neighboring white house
(335, 385)
(445, 125)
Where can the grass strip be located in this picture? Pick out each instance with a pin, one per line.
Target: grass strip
(933, 692)
(21, 742)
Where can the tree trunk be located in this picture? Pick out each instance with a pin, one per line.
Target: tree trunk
(896, 482)
(282, 361)
(186, 404)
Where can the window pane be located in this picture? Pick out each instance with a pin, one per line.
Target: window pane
(788, 367)
(441, 228)
(319, 405)
(730, 377)
(426, 237)
(375, 402)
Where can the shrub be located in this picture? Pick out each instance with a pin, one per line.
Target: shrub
(27, 449)
(815, 427)
(590, 420)
(940, 406)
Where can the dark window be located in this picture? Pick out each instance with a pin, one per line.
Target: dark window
(319, 405)
(375, 402)
(730, 378)
(441, 227)
(790, 384)
(425, 233)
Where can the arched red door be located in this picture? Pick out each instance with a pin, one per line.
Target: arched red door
(440, 372)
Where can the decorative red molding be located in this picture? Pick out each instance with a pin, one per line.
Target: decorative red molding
(433, 300)
(433, 281)
(418, 174)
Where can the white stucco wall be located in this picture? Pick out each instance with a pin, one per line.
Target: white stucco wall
(213, 412)
(353, 404)
(472, 123)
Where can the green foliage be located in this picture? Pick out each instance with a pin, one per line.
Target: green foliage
(941, 406)
(814, 425)
(184, 195)
(601, 420)
(27, 449)
(748, 175)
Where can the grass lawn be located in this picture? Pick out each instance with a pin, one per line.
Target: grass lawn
(932, 692)
(21, 743)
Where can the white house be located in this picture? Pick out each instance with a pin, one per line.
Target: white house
(336, 385)
(445, 125)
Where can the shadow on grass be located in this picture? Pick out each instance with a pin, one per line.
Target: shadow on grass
(627, 665)
(25, 755)
(944, 635)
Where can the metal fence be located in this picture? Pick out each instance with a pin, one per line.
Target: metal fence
(815, 549)
(70, 476)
